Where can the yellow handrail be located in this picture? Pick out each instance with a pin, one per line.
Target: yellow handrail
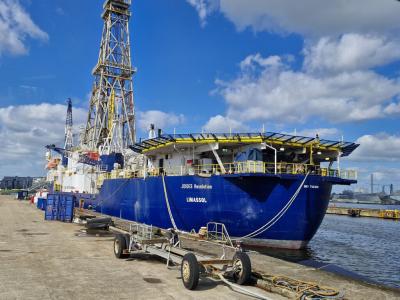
(252, 167)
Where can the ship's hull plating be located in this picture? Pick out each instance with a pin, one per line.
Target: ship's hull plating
(243, 203)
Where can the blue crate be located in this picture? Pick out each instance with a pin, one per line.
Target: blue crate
(60, 207)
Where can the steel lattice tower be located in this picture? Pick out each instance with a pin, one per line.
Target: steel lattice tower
(69, 142)
(111, 125)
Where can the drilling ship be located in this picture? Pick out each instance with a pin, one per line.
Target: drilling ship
(268, 189)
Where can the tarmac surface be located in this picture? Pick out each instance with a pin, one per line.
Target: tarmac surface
(352, 287)
(53, 260)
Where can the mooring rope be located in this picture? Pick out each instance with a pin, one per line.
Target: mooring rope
(256, 232)
(302, 290)
(171, 217)
(279, 215)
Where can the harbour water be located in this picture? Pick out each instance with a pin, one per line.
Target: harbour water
(367, 248)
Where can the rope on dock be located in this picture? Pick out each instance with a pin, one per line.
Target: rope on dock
(301, 290)
(239, 289)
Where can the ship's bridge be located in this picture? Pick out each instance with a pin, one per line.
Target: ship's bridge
(232, 153)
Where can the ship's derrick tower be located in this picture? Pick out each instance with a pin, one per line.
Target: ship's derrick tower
(68, 140)
(110, 124)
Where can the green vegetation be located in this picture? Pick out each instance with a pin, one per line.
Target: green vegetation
(8, 192)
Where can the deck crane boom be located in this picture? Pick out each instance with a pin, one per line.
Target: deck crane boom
(83, 158)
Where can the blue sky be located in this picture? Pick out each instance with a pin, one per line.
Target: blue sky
(211, 65)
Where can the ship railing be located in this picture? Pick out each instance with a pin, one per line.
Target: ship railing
(269, 168)
(348, 174)
(252, 167)
(257, 167)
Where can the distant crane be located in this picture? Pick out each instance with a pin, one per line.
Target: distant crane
(66, 152)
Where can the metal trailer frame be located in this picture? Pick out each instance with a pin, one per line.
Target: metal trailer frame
(142, 239)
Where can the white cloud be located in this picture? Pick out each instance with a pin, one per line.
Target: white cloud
(268, 89)
(392, 108)
(159, 118)
(251, 61)
(25, 130)
(379, 148)
(16, 26)
(351, 52)
(223, 124)
(204, 8)
(310, 17)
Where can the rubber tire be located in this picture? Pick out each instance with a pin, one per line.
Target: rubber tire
(194, 271)
(120, 239)
(245, 275)
(127, 240)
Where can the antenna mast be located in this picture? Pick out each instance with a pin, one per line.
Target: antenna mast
(110, 125)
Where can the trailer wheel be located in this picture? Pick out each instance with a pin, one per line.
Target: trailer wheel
(119, 246)
(127, 238)
(190, 271)
(242, 268)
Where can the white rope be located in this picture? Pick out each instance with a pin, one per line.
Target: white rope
(242, 290)
(279, 215)
(167, 202)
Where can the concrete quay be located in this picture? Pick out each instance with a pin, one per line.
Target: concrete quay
(52, 260)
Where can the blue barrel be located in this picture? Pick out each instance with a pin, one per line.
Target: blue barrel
(39, 203)
(44, 204)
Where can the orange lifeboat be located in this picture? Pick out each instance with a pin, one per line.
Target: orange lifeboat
(53, 163)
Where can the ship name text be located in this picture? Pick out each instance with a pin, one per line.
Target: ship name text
(306, 186)
(190, 186)
(196, 199)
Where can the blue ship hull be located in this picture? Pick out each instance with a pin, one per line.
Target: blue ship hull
(244, 203)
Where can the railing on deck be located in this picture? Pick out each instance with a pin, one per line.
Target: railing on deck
(252, 167)
(246, 167)
(269, 168)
